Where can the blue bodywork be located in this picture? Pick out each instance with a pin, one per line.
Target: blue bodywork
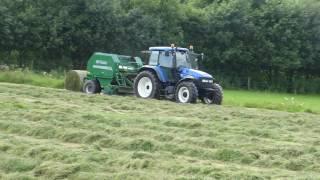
(163, 77)
(183, 72)
(196, 74)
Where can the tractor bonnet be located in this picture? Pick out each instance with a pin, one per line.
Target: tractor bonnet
(194, 73)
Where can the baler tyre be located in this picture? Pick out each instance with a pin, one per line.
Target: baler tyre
(146, 85)
(216, 97)
(186, 92)
(91, 87)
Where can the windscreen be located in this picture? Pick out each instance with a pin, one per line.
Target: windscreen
(194, 58)
(186, 60)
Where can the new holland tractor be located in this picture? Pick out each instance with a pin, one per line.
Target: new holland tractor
(172, 72)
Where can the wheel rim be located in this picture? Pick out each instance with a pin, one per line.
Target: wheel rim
(145, 87)
(184, 94)
(89, 89)
(208, 100)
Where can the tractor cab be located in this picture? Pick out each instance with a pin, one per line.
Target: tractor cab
(172, 57)
(175, 63)
(172, 72)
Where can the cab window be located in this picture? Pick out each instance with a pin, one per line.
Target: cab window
(182, 60)
(166, 59)
(154, 58)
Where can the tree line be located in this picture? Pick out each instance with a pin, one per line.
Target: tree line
(255, 44)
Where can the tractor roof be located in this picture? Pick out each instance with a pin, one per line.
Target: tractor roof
(167, 49)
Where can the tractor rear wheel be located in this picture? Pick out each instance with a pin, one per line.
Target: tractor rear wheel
(91, 87)
(146, 85)
(215, 97)
(186, 92)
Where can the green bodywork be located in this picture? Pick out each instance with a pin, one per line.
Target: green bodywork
(115, 73)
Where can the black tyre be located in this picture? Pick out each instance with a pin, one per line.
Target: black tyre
(146, 85)
(91, 87)
(186, 92)
(216, 97)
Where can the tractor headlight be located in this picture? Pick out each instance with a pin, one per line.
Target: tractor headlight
(206, 81)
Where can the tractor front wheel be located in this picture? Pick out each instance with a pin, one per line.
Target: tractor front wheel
(146, 85)
(215, 97)
(91, 87)
(186, 92)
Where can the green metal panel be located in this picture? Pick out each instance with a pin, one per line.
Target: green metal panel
(103, 65)
(129, 64)
(113, 71)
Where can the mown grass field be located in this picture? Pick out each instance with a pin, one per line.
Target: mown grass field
(249, 99)
(55, 134)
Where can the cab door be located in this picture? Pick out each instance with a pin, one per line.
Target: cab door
(166, 64)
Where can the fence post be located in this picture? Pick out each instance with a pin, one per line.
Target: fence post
(249, 83)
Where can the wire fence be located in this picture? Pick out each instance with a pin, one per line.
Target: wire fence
(297, 85)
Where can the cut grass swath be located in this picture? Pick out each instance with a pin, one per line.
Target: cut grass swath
(49, 133)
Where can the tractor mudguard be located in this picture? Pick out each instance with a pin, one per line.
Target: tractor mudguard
(156, 70)
(186, 78)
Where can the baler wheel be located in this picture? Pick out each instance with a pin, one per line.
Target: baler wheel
(91, 87)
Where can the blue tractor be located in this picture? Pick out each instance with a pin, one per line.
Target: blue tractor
(172, 73)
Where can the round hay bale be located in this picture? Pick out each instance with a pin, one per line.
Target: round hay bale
(74, 80)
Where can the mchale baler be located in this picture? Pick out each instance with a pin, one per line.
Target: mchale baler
(107, 73)
(111, 73)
